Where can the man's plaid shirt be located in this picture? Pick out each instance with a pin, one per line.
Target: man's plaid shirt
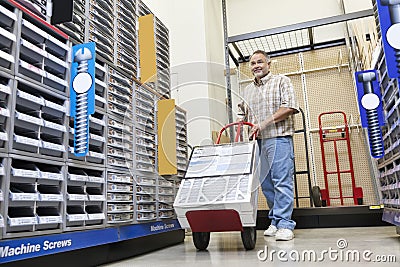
(264, 99)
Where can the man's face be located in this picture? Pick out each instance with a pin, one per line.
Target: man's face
(259, 65)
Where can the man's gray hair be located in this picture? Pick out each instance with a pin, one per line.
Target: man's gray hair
(263, 53)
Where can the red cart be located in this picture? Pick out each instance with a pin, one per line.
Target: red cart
(335, 135)
(222, 196)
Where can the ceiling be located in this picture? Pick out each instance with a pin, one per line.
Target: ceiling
(293, 38)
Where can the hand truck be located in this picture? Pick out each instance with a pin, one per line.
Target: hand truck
(219, 190)
(322, 197)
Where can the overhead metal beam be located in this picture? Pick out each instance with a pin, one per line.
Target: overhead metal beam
(303, 25)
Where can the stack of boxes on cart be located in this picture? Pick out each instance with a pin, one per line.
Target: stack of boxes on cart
(45, 188)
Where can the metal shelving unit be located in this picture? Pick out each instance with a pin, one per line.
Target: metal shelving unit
(145, 154)
(34, 196)
(161, 82)
(388, 181)
(8, 38)
(6, 85)
(45, 190)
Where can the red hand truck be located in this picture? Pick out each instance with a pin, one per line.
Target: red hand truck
(335, 135)
(217, 212)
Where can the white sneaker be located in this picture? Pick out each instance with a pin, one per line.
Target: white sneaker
(284, 234)
(271, 231)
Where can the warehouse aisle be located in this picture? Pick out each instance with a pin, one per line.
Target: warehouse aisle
(359, 246)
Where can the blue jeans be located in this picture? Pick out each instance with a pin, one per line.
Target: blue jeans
(276, 175)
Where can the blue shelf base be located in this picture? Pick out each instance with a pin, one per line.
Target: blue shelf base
(25, 250)
(392, 216)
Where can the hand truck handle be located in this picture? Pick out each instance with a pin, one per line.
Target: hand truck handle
(238, 130)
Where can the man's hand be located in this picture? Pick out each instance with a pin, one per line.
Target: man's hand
(255, 130)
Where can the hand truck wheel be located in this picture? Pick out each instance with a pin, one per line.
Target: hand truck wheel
(249, 237)
(201, 240)
(316, 196)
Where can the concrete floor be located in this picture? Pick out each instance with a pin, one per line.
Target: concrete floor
(330, 246)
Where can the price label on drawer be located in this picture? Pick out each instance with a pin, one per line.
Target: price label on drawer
(97, 198)
(97, 137)
(97, 155)
(96, 216)
(25, 173)
(52, 146)
(97, 121)
(49, 219)
(4, 112)
(76, 217)
(34, 48)
(77, 197)
(51, 175)
(95, 179)
(5, 89)
(30, 119)
(55, 126)
(3, 136)
(56, 79)
(24, 196)
(76, 177)
(31, 68)
(55, 106)
(22, 221)
(51, 197)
